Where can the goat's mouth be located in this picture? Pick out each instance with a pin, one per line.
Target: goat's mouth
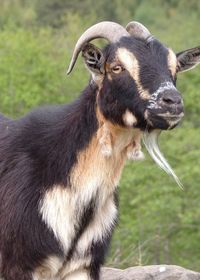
(157, 119)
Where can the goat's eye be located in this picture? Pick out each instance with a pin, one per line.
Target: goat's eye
(117, 69)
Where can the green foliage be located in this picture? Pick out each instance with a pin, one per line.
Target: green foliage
(32, 71)
(159, 222)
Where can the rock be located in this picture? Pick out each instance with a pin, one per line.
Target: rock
(154, 272)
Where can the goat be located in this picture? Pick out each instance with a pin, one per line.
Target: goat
(60, 166)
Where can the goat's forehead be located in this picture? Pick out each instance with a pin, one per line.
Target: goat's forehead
(130, 50)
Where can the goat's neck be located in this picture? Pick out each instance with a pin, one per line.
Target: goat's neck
(101, 162)
(116, 138)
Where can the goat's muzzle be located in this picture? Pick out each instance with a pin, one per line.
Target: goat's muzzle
(165, 110)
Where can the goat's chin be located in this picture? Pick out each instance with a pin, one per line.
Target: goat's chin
(150, 140)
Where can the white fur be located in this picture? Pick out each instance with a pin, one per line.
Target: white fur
(49, 269)
(151, 142)
(78, 275)
(104, 219)
(53, 268)
(57, 210)
(105, 141)
(106, 150)
(129, 119)
(75, 265)
(153, 100)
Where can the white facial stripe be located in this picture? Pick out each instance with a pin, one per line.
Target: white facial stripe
(132, 66)
(128, 59)
(153, 100)
(172, 61)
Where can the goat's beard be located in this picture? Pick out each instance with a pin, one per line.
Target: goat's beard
(150, 140)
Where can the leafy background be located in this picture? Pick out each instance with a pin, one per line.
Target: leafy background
(159, 222)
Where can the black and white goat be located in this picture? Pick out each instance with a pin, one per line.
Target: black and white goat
(60, 166)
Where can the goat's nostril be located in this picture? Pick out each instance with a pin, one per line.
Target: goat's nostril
(170, 99)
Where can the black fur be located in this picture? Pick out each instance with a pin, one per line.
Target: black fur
(98, 252)
(31, 149)
(86, 217)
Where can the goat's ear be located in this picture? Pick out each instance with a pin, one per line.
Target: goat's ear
(94, 59)
(188, 59)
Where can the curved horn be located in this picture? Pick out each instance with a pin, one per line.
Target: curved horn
(137, 29)
(108, 30)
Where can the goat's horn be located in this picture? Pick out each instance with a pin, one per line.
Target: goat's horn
(137, 29)
(108, 30)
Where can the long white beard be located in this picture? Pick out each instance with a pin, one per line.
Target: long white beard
(151, 143)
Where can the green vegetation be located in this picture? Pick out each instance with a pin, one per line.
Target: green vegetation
(159, 222)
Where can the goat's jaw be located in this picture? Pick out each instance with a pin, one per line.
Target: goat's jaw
(162, 120)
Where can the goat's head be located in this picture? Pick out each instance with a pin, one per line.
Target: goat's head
(136, 75)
